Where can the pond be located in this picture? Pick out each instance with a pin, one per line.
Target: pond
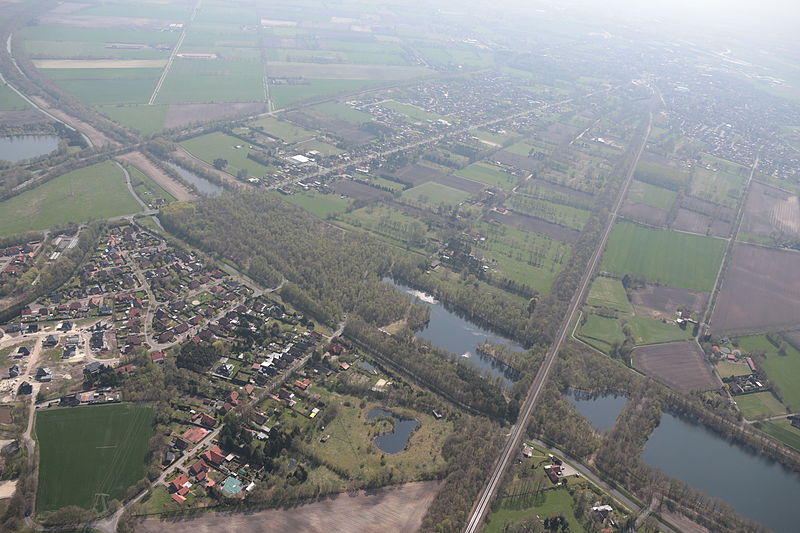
(448, 331)
(16, 148)
(754, 485)
(369, 367)
(395, 441)
(203, 185)
(601, 410)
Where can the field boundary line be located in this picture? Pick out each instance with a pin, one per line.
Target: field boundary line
(172, 56)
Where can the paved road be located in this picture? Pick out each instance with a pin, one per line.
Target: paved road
(514, 440)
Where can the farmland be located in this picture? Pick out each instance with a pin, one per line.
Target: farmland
(601, 332)
(197, 80)
(759, 405)
(609, 292)
(143, 118)
(647, 194)
(433, 194)
(488, 174)
(681, 365)
(97, 86)
(283, 130)
(321, 205)
(284, 95)
(665, 257)
(524, 257)
(783, 431)
(761, 290)
(89, 450)
(11, 101)
(91, 193)
(218, 145)
(555, 502)
(718, 181)
(771, 212)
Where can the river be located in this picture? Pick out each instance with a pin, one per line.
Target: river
(754, 485)
(203, 185)
(16, 148)
(448, 331)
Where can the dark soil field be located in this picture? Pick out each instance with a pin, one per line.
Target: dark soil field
(183, 114)
(761, 290)
(681, 365)
(536, 225)
(660, 301)
(644, 213)
(418, 174)
(770, 211)
(353, 189)
(708, 208)
(695, 222)
(350, 133)
(515, 160)
(397, 509)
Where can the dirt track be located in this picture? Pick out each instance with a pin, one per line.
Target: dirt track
(178, 190)
(388, 510)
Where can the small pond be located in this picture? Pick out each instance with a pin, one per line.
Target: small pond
(16, 148)
(601, 410)
(203, 185)
(395, 441)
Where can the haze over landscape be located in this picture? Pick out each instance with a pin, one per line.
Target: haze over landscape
(362, 266)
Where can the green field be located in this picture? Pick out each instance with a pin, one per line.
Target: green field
(782, 430)
(389, 223)
(660, 175)
(146, 189)
(601, 332)
(665, 257)
(286, 95)
(342, 112)
(413, 112)
(433, 194)
(283, 130)
(721, 185)
(146, 119)
(727, 369)
(489, 174)
(90, 193)
(524, 257)
(321, 205)
(555, 502)
(651, 331)
(564, 215)
(212, 80)
(782, 370)
(609, 292)
(644, 193)
(759, 405)
(11, 101)
(97, 86)
(85, 451)
(219, 145)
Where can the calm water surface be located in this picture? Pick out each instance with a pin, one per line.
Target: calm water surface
(395, 441)
(601, 410)
(19, 147)
(754, 485)
(203, 185)
(448, 331)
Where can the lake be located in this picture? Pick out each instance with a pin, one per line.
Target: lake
(601, 410)
(203, 185)
(16, 148)
(395, 441)
(754, 485)
(448, 331)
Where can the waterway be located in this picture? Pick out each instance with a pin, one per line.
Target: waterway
(448, 331)
(16, 148)
(601, 410)
(395, 441)
(754, 485)
(203, 185)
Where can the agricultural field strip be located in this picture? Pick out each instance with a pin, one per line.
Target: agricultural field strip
(729, 248)
(479, 511)
(173, 55)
